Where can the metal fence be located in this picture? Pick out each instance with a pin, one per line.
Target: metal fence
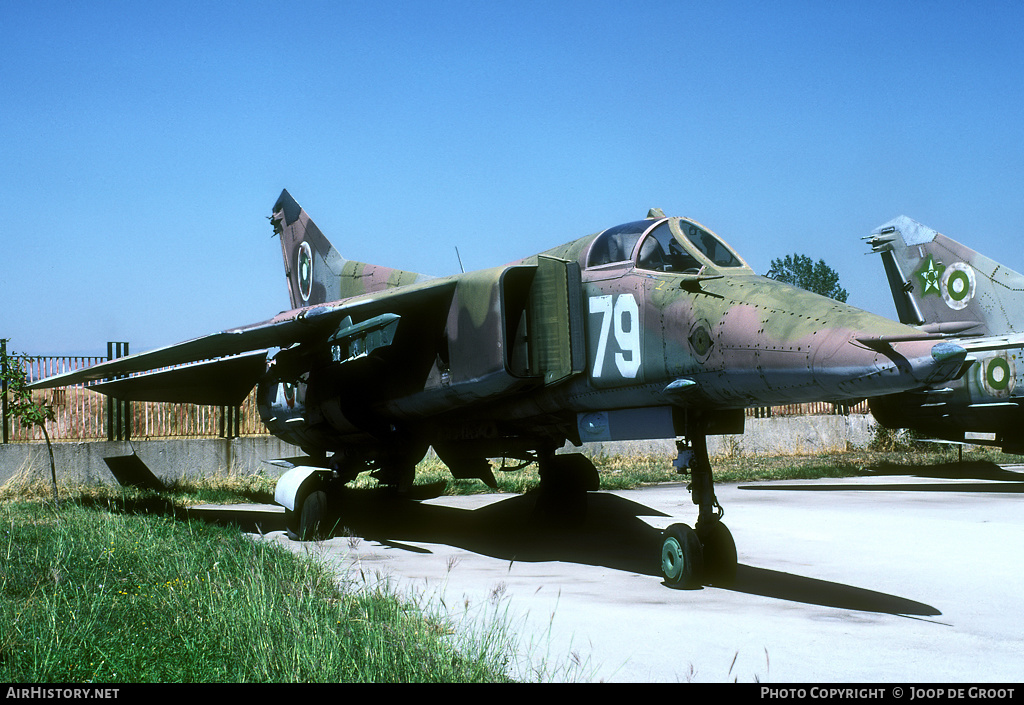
(85, 415)
(817, 408)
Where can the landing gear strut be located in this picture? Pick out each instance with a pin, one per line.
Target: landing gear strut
(396, 466)
(565, 481)
(707, 553)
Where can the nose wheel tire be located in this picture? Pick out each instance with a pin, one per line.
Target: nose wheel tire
(682, 557)
(719, 554)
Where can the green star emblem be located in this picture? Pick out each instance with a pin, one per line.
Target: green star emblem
(930, 273)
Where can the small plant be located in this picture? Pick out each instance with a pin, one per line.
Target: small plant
(896, 440)
(28, 410)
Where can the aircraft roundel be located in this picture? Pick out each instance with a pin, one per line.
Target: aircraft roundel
(304, 266)
(958, 285)
(700, 340)
(997, 376)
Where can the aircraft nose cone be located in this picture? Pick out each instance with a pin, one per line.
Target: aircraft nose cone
(889, 367)
(916, 364)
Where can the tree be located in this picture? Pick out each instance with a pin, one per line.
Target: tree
(800, 271)
(23, 407)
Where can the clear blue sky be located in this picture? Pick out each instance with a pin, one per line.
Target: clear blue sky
(143, 144)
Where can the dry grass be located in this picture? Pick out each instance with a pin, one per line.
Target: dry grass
(621, 471)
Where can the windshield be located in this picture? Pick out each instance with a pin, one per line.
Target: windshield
(662, 252)
(709, 245)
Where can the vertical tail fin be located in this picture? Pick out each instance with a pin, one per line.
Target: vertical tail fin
(311, 264)
(943, 285)
(316, 272)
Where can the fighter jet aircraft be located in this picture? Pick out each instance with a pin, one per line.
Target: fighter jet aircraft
(940, 285)
(655, 328)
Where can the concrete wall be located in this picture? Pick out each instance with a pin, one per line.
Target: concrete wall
(173, 459)
(167, 459)
(779, 435)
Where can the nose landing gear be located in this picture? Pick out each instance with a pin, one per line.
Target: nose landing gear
(705, 555)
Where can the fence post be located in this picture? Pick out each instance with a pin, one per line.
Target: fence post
(230, 421)
(119, 416)
(3, 388)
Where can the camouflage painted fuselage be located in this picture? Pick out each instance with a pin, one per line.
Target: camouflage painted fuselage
(652, 329)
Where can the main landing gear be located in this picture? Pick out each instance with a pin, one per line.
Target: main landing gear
(565, 481)
(311, 519)
(312, 495)
(706, 554)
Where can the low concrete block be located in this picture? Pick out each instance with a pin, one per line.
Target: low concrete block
(168, 459)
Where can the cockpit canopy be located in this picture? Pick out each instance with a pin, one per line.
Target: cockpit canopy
(664, 245)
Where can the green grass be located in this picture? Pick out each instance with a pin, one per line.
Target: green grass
(106, 594)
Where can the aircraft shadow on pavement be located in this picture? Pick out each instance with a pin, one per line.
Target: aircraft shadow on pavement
(797, 588)
(980, 476)
(612, 535)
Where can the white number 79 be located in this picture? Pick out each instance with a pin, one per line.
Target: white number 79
(624, 317)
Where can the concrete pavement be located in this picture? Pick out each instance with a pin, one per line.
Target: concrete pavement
(894, 579)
